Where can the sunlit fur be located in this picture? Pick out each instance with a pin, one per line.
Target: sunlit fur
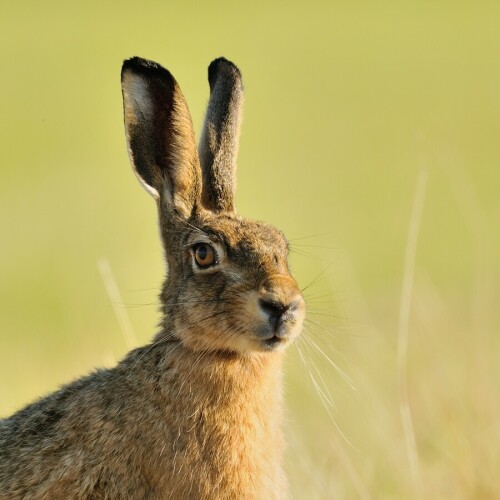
(197, 414)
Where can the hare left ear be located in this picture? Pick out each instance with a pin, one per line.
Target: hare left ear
(219, 142)
(160, 136)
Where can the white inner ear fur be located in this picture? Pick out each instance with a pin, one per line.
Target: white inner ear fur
(138, 104)
(150, 189)
(137, 89)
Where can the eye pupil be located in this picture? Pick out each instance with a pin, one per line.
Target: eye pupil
(202, 252)
(204, 255)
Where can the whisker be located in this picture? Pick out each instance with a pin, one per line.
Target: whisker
(328, 396)
(321, 275)
(326, 403)
(324, 247)
(335, 316)
(332, 330)
(327, 233)
(303, 253)
(320, 339)
(342, 318)
(195, 228)
(347, 378)
(320, 294)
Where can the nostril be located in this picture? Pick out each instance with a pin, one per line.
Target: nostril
(273, 309)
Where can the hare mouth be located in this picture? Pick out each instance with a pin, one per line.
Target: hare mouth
(274, 341)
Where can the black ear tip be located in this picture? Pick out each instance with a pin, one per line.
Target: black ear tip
(145, 67)
(139, 65)
(222, 66)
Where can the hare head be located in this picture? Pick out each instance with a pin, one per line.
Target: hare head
(228, 287)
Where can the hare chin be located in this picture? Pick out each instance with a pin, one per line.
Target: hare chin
(275, 344)
(257, 338)
(268, 340)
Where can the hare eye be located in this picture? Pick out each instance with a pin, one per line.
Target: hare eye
(204, 255)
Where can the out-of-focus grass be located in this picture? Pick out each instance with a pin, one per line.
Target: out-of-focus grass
(346, 102)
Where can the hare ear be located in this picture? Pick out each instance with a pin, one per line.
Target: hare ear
(220, 137)
(160, 136)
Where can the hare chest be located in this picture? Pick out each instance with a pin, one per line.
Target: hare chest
(220, 441)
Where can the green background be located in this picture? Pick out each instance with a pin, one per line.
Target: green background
(346, 102)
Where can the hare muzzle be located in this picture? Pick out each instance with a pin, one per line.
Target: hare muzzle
(282, 308)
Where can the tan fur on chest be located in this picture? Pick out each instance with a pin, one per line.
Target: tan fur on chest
(226, 438)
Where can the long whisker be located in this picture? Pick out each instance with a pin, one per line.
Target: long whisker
(324, 247)
(327, 404)
(303, 253)
(320, 338)
(321, 295)
(338, 327)
(316, 279)
(327, 233)
(343, 456)
(347, 378)
(325, 391)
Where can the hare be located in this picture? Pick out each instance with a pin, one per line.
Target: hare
(198, 412)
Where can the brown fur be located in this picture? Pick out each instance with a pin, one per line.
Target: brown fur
(197, 413)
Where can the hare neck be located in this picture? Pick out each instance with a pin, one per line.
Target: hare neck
(231, 419)
(222, 377)
(205, 379)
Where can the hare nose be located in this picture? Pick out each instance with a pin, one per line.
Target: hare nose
(274, 310)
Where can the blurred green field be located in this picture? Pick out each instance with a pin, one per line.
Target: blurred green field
(346, 102)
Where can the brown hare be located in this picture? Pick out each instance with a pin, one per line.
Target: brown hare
(198, 412)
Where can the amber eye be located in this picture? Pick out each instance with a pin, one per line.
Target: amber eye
(204, 255)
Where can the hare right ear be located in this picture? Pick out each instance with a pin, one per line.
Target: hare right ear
(220, 137)
(160, 137)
